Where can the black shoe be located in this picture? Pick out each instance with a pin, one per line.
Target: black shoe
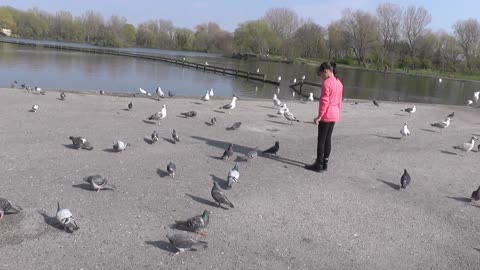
(325, 164)
(314, 167)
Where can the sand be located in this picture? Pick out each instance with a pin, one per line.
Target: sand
(285, 217)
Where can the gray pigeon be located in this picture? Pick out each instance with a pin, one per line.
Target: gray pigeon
(175, 136)
(171, 94)
(66, 219)
(195, 224)
(120, 146)
(235, 126)
(451, 115)
(7, 207)
(228, 152)
(476, 194)
(102, 92)
(185, 241)
(130, 105)
(155, 137)
(219, 197)
(189, 114)
(62, 96)
(171, 169)
(376, 103)
(97, 182)
(213, 121)
(405, 179)
(233, 176)
(80, 142)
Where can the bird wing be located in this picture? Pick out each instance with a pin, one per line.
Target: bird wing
(227, 106)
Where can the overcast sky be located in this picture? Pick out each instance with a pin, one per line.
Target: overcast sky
(188, 13)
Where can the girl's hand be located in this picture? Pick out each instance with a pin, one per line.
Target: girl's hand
(317, 120)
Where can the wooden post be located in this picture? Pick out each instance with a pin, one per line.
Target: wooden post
(236, 73)
(248, 76)
(301, 85)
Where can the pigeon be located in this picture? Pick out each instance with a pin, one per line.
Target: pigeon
(376, 103)
(211, 93)
(272, 150)
(160, 93)
(120, 146)
(14, 84)
(476, 95)
(233, 176)
(303, 78)
(451, 115)
(65, 218)
(252, 154)
(228, 152)
(97, 182)
(130, 105)
(219, 197)
(24, 86)
(195, 224)
(310, 97)
(39, 90)
(235, 126)
(213, 121)
(155, 137)
(171, 169)
(290, 117)
(80, 142)
(206, 97)
(283, 109)
(404, 131)
(184, 241)
(468, 146)
(62, 96)
(7, 207)
(476, 195)
(171, 94)
(189, 114)
(102, 92)
(142, 91)
(230, 106)
(410, 110)
(442, 124)
(276, 101)
(405, 179)
(34, 108)
(175, 136)
(159, 115)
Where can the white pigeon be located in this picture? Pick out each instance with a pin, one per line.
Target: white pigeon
(278, 90)
(468, 146)
(206, 97)
(276, 101)
(66, 219)
(404, 131)
(310, 97)
(293, 93)
(119, 146)
(303, 78)
(442, 124)
(283, 109)
(142, 91)
(476, 95)
(410, 110)
(233, 176)
(160, 92)
(35, 108)
(290, 117)
(231, 105)
(211, 92)
(279, 78)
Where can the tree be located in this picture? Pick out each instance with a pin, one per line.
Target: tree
(255, 37)
(6, 20)
(335, 42)
(209, 37)
(415, 21)
(468, 36)
(283, 21)
(389, 17)
(92, 23)
(310, 40)
(184, 39)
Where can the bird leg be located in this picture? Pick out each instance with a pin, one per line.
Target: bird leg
(1, 215)
(203, 232)
(98, 190)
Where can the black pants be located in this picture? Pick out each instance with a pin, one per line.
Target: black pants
(324, 144)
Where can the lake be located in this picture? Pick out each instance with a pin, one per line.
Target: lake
(55, 69)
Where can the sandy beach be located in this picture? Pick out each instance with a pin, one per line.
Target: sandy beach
(285, 217)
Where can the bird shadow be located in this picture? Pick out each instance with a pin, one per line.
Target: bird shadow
(83, 186)
(162, 173)
(202, 200)
(221, 182)
(217, 158)
(31, 110)
(460, 199)
(70, 146)
(197, 103)
(60, 99)
(147, 140)
(208, 124)
(218, 111)
(241, 159)
(428, 130)
(277, 122)
(273, 129)
(126, 110)
(52, 221)
(109, 150)
(272, 116)
(477, 249)
(392, 185)
(149, 122)
(398, 114)
(164, 245)
(263, 106)
(389, 137)
(232, 128)
(448, 152)
(168, 140)
(309, 122)
(182, 116)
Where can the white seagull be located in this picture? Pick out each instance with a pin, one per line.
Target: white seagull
(230, 106)
(469, 102)
(410, 110)
(211, 92)
(294, 80)
(276, 101)
(35, 108)
(160, 92)
(159, 115)
(310, 97)
(283, 109)
(290, 117)
(206, 63)
(258, 70)
(442, 124)
(206, 97)
(468, 146)
(303, 78)
(404, 131)
(476, 95)
(279, 78)
(439, 80)
(142, 91)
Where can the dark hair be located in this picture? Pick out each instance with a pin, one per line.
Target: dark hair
(332, 66)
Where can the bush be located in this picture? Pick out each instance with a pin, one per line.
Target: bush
(345, 61)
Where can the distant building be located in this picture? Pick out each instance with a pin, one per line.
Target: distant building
(6, 32)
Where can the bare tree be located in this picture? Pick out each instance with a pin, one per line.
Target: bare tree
(415, 20)
(283, 21)
(310, 40)
(447, 48)
(389, 17)
(92, 22)
(468, 35)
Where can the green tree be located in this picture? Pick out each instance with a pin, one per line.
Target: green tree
(256, 37)
(184, 38)
(6, 20)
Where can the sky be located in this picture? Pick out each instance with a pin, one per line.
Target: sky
(228, 14)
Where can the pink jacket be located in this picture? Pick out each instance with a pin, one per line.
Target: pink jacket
(330, 100)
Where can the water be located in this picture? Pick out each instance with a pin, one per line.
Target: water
(54, 69)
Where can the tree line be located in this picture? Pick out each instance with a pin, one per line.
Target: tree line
(393, 36)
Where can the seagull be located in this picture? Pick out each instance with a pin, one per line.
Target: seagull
(195, 224)
(160, 93)
(175, 136)
(278, 90)
(154, 136)
(476, 95)
(235, 126)
(159, 115)
(276, 101)
(184, 59)
(439, 80)
(442, 124)
(34, 108)
(120, 146)
(62, 96)
(410, 110)
(39, 90)
(213, 121)
(211, 93)
(404, 131)
(290, 117)
(228, 152)
(102, 92)
(130, 105)
(206, 63)
(310, 97)
(468, 146)
(303, 78)
(184, 241)
(206, 97)
(283, 109)
(189, 114)
(476, 194)
(97, 182)
(272, 150)
(7, 207)
(24, 86)
(65, 218)
(279, 79)
(376, 103)
(233, 176)
(142, 91)
(80, 142)
(171, 169)
(451, 115)
(258, 70)
(294, 80)
(230, 106)
(219, 197)
(405, 179)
